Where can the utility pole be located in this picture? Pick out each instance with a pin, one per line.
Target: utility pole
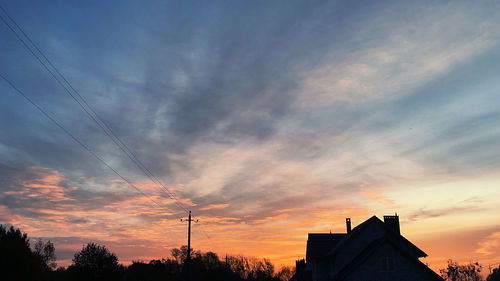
(189, 238)
(188, 257)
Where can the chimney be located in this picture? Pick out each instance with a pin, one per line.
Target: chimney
(393, 223)
(348, 225)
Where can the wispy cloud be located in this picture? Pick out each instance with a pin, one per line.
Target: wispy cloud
(490, 245)
(214, 206)
(424, 213)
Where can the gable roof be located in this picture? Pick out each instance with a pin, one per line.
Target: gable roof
(319, 244)
(389, 233)
(370, 249)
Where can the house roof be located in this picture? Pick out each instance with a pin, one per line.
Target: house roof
(390, 234)
(319, 244)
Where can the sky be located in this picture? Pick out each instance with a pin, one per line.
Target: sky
(268, 119)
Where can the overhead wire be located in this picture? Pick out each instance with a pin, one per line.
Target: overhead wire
(86, 108)
(205, 233)
(103, 126)
(39, 108)
(94, 117)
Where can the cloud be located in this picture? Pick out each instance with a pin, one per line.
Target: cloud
(490, 245)
(214, 206)
(424, 213)
(400, 58)
(376, 194)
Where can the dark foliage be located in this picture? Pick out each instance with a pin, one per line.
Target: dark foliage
(495, 275)
(95, 262)
(154, 270)
(286, 273)
(456, 272)
(205, 267)
(17, 261)
(47, 253)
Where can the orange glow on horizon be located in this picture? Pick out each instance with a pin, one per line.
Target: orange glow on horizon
(135, 231)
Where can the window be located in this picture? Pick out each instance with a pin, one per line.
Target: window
(387, 264)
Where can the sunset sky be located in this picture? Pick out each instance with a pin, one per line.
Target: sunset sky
(267, 119)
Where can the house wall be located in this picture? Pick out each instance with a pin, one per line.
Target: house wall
(319, 269)
(404, 268)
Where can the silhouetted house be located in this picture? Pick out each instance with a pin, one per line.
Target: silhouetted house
(374, 250)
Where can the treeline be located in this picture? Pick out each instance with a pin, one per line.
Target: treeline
(21, 261)
(18, 261)
(467, 272)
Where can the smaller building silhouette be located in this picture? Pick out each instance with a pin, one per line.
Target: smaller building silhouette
(374, 250)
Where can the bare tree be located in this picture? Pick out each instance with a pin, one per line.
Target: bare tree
(285, 273)
(456, 272)
(47, 253)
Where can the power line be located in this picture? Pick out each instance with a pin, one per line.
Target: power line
(86, 108)
(103, 126)
(201, 229)
(92, 115)
(77, 140)
(205, 233)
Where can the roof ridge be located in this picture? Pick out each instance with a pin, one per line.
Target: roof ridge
(388, 231)
(355, 230)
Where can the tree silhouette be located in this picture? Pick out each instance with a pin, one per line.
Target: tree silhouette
(154, 270)
(285, 273)
(456, 272)
(95, 262)
(180, 254)
(47, 253)
(17, 261)
(495, 275)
